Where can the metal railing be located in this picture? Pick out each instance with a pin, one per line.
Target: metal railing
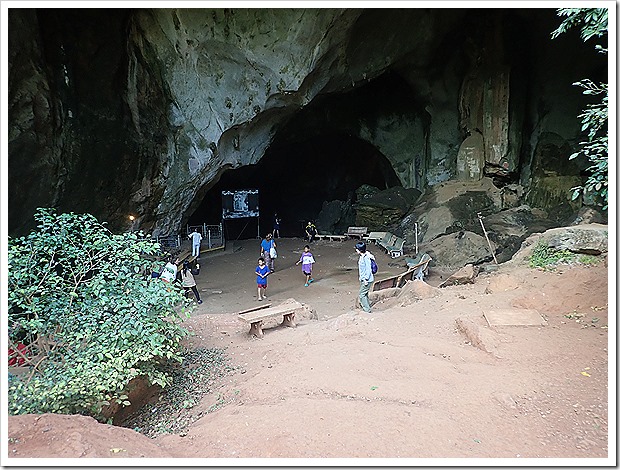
(212, 235)
(168, 241)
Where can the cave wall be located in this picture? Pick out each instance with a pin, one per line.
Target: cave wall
(72, 141)
(139, 111)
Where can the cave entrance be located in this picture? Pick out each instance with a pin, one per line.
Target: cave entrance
(294, 179)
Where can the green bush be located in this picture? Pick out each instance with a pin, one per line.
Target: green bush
(82, 300)
(593, 24)
(543, 256)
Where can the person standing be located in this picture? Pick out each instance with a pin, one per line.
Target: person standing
(268, 251)
(188, 281)
(262, 271)
(306, 260)
(276, 226)
(365, 274)
(195, 237)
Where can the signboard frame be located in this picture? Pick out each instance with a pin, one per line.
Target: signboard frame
(241, 204)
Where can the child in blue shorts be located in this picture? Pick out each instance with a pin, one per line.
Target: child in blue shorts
(262, 271)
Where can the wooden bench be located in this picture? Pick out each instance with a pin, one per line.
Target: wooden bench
(399, 280)
(256, 315)
(392, 244)
(395, 248)
(374, 237)
(356, 232)
(331, 238)
(386, 239)
(419, 264)
(386, 283)
(408, 275)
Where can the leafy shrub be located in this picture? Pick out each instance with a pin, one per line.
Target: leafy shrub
(543, 256)
(593, 23)
(81, 299)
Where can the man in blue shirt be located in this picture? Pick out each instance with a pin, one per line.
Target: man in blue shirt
(268, 251)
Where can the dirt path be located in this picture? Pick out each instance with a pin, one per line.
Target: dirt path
(403, 382)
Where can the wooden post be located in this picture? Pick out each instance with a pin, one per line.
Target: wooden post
(487, 237)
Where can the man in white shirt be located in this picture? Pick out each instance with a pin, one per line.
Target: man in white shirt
(195, 237)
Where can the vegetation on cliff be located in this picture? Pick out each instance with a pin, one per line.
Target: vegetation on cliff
(592, 23)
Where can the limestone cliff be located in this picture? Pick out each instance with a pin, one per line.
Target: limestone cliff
(119, 111)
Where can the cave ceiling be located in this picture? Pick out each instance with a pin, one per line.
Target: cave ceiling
(153, 111)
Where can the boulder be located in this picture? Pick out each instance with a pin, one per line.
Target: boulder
(589, 239)
(554, 194)
(381, 209)
(588, 215)
(465, 275)
(508, 228)
(335, 217)
(434, 223)
(450, 207)
(458, 249)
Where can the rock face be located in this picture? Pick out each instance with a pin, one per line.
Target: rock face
(588, 238)
(384, 208)
(335, 217)
(458, 249)
(141, 111)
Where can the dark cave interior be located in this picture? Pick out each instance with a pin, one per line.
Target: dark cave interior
(315, 157)
(294, 179)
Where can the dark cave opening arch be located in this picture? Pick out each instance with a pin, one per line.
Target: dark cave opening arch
(294, 179)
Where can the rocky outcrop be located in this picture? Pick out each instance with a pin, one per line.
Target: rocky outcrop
(458, 249)
(335, 217)
(379, 209)
(508, 228)
(588, 239)
(591, 239)
(451, 207)
(465, 275)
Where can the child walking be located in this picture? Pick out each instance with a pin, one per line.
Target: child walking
(262, 271)
(306, 260)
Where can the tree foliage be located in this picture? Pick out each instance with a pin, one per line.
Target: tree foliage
(592, 23)
(82, 301)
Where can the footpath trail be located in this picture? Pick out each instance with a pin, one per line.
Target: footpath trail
(424, 376)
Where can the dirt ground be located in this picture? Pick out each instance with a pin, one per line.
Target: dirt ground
(423, 376)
